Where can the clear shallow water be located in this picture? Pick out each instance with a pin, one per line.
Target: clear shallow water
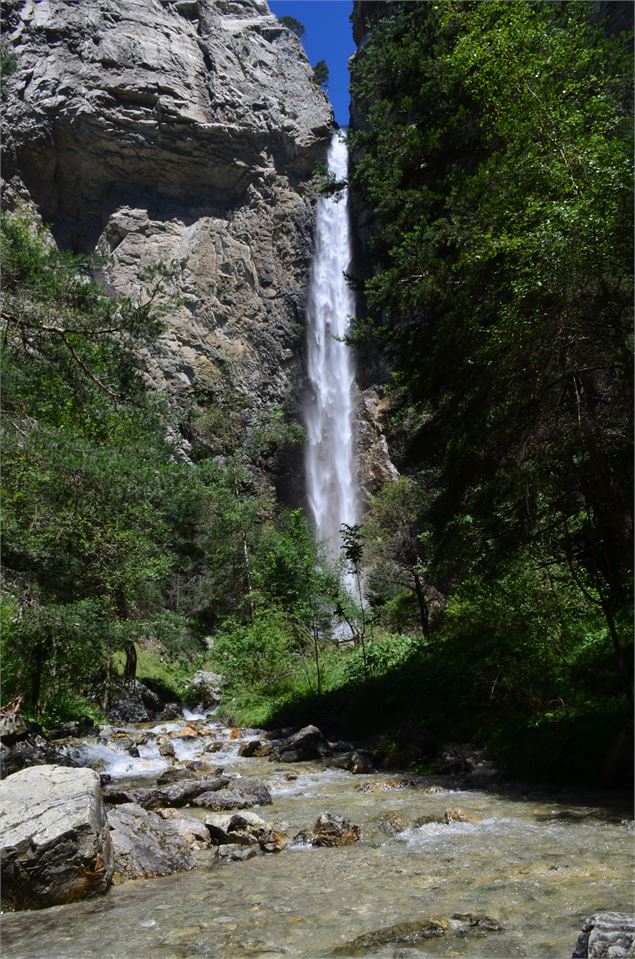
(537, 866)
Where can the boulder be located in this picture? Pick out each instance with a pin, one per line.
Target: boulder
(234, 853)
(606, 935)
(243, 794)
(195, 832)
(55, 845)
(245, 829)
(330, 830)
(302, 745)
(249, 748)
(166, 749)
(146, 845)
(12, 729)
(205, 689)
(34, 750)
(171, 711)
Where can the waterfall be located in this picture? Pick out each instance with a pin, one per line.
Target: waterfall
(330, 461)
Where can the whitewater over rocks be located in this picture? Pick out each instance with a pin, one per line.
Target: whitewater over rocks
(300, 863)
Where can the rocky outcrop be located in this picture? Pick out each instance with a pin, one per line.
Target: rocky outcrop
(55, 842)
(146, 844)
(606, 935)
(152, 131)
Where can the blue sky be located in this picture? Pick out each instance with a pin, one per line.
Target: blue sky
(329, 37)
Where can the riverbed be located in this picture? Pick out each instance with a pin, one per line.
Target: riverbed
(537, 866)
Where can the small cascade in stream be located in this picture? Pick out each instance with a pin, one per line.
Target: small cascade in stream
(330, 461)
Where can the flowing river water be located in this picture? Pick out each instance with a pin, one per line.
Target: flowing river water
(538, 866)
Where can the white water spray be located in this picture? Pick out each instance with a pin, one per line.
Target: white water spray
(330, 461)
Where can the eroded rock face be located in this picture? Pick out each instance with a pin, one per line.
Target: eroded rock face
(150, 131)
(55, 841)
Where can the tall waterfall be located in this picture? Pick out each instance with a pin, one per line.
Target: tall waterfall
(330, 461)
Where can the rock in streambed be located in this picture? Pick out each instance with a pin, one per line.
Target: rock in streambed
(55, 845)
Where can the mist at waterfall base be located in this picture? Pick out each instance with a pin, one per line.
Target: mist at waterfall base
(329, 407)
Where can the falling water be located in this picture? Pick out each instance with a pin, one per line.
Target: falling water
(329, 409)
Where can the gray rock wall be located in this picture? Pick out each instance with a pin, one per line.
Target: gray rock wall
(150, 130)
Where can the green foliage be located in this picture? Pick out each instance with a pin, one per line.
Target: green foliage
(496, 158)
(257, 655)
(321, 73)
(294, 25)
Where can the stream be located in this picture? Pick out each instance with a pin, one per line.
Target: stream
(537, 866)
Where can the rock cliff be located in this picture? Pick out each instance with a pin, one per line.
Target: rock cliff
(153, 130)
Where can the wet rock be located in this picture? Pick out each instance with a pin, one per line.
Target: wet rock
(173, 774)
(606, 935)
(361, 763)
(385, 785)
(132, 704)
(184, 732)
(171, 711)
(133, 751)
(355, 761)
(463, 923)
(213, 747)
(390, 823)
(302, 745)
(166, 749)
(242, 794)
(55, 842)
(171, 794)
(266, 749)
(456, 814)
(249, 748)
(245, 829)
(34, 750)
(224, 800)
(402, 933)
(234, 853)
(417, 930)
(330, 830)
(145, 844)
(195, 832)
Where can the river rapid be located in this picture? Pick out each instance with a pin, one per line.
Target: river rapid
(537, 866)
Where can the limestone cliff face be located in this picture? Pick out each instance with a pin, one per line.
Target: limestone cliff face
(150, 130)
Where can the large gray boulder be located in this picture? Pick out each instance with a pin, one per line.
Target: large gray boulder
(146, 845)
(606, 935)
(55, 845)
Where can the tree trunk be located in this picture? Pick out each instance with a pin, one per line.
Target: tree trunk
(424, 613)
(130, 669)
